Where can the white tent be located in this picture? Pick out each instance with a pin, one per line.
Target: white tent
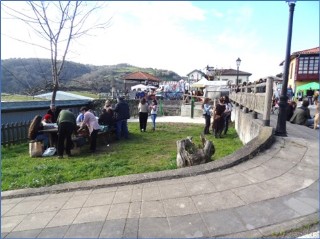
(142, 87)
(61, 95)
(201, 83)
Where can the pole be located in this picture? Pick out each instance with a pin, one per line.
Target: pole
(192, 107)
(237, 76)
(282, 116)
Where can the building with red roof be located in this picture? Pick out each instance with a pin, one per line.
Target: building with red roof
(304, 67)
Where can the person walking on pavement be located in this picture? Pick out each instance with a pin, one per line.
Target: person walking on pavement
(91, 122)
(66, 126)
(143, 114)
(122, 114)
(154, 111)
(206, 107)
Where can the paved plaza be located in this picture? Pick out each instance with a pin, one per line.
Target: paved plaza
(274, 191)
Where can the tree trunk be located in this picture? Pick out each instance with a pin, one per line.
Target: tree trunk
(188, 154)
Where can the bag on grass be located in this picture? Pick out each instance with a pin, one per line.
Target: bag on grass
(35, 149)
(49, 152)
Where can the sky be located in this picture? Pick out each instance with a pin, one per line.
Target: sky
(183, 36)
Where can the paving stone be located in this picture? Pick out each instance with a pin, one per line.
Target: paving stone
(113, 228)
(200, 187)
(24, 207)
(136, 195)
(134, 210)
(188, 226)
(77, 201)
(6, 207)
(35, 221)
(122, 196)
(99, 199)
(51, 204)
(173, 191)
(84, 230)
(306, 171)
(283, 164)
(54, 232)
(152, 209)
(151, 193)
(9, 223)
(263, 173)
(11, 201)
(179, 206)
(154, 228)
(230, 181)
(131, 228)
(92, 214)
(24, 234)
(309, 197)
(118, 211)
(222, 222)
(64, 217)
(265, 213)
(300, 207)
(104, 190)
(252, 193)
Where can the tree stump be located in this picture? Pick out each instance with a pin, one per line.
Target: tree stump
(188, 154)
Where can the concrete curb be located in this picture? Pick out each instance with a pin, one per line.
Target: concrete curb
(263, 141)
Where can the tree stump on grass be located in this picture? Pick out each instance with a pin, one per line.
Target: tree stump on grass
(188, 154)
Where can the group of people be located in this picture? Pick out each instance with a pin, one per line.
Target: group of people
(144, 109)
(221, 114)
(301, 115)
(69, 124)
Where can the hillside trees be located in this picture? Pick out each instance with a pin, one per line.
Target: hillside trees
(57, 24)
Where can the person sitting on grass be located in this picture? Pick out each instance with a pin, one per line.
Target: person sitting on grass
(34, 131)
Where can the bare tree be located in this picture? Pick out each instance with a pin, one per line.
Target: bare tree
(58, 23)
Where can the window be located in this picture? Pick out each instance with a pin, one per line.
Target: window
(308, 65)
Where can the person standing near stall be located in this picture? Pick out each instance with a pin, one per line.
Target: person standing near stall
(92, 123)
(66, 126)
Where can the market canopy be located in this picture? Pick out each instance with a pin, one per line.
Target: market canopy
(142, 87)
(201, 83)
(312, 85)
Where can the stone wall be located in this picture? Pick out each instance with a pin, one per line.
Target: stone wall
(247, 126)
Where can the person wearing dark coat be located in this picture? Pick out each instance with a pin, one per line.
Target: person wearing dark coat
(54, 112)
(122, 114)
(66, 126)
(290, 109)
(218, 121)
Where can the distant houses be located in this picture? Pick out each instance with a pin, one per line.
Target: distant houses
(227, 75)
(304, 68)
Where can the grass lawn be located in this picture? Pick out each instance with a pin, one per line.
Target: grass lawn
(143, 152)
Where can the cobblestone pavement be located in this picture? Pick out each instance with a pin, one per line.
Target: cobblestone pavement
(272, 192)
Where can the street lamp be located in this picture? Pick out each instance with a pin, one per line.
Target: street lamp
(238, 61)
(282, 116)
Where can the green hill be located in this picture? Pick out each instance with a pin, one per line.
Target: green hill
(32, 76)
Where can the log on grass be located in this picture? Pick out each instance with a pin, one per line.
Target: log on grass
(188, 154)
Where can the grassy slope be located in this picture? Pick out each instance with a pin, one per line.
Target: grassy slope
(143, 152)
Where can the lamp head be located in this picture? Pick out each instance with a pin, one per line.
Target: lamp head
(290, 2)
(238, 62)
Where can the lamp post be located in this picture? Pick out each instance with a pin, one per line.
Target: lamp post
(282, 116)
(238, 61)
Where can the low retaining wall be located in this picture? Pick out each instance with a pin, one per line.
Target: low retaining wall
(247, 126)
